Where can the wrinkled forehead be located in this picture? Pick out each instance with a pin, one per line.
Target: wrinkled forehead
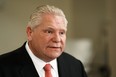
(55, 19)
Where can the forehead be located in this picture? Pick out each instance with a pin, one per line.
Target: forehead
(53, 18)
(53, 21)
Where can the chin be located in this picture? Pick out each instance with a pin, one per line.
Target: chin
(57, 54)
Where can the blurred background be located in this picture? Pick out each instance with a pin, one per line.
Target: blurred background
(91, 30)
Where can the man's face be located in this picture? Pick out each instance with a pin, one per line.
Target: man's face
(47, 41)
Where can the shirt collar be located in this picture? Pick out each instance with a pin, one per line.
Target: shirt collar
(39, 64)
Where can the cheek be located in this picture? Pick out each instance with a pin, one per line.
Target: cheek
(64, 39)
(63, 42)
(43, 39)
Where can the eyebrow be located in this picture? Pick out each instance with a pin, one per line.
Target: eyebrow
(52, 28)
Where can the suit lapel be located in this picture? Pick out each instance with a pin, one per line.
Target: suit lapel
(63, 67)
(26, 64)
(29, 71)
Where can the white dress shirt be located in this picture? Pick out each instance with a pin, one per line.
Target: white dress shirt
(39, 64)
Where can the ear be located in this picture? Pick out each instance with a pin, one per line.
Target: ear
(29, 32)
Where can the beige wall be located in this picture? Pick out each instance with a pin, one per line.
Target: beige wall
(87, 19)
(111, 15)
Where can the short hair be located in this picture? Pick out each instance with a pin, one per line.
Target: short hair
(36, 16)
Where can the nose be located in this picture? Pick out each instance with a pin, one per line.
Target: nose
(56, 38)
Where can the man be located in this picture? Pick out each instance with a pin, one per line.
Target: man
(46, 33)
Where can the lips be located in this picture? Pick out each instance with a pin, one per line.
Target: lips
(54, 47)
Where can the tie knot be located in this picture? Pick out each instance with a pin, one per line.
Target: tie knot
(47, 67)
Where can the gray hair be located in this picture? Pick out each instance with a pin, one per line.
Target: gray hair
(36, 16)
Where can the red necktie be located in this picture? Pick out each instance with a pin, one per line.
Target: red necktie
(47, 69)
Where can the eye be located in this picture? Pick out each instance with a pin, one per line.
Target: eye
(62, 33)
(48, 31)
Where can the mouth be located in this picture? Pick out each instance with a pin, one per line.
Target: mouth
(54, 47)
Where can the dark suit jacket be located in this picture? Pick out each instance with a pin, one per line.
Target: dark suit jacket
(19, 64)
